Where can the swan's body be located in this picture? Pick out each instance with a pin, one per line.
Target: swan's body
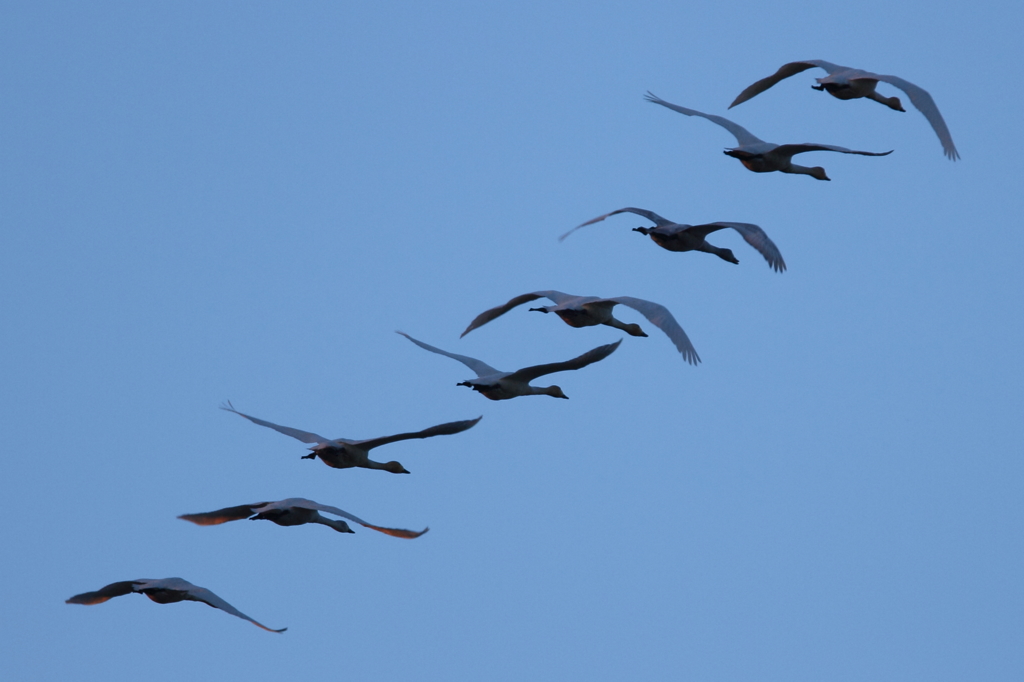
(764, 157)
(843, 82)
(679, 237)
(165, 591)
(588, 311)
(498, 385)
(295, 511)
(342, 453)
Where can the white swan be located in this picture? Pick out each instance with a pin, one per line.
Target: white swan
(679, 237)
(342, 453)
(587, 311)
(165, 591)
(295, 511)
(844, 82)
(498, 385)
(765, 157)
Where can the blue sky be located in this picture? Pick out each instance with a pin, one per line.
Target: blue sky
(210, 201)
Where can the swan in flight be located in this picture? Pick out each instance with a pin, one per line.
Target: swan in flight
(165, 591)
(342, 453)
(587, 311)
(295, 511)
(498, 385)
(765, 157)
(678, 237)
(843, 82)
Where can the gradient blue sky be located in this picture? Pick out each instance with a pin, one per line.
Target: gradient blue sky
(239, 200)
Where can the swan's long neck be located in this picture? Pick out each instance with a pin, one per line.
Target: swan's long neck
(336, 524)
(891, 102)
(393, 467)
(618, 324)
(630, 328)
(724, 254)
(816, 172)
(553, 391)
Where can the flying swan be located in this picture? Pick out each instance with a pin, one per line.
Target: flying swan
(844, 82)
(498, 385)
(588, 311)
(765, 157)
(165, 591)
(342, 453)
(679, 237)
(295, 511)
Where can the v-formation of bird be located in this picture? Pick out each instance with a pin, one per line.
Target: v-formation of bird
(577, 311)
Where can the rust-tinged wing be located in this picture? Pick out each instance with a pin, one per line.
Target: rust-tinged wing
(242, 511)
(104, 593)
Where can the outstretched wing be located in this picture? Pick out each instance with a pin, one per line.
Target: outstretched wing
(785, 71)
(743, 136)
(791, 149)
(395, 532)
(591, 356)
(103, 594)
(497, 311)
(661, 318)
(214, 518)
(304, 436)
(481, 368)
(753, 235)
(207, 597)
(446, 429)
(920, 98)
(650, 215)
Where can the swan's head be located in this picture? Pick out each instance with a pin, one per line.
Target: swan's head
(894, 103)
(819, 173)
(539, 310)
(393, 467)
(642, 230)
(555, 392)
(634, 329)
(728, 255)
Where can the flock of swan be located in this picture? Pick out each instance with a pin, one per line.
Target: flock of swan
(577, 311)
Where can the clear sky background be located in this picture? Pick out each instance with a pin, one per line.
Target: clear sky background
(238, 200)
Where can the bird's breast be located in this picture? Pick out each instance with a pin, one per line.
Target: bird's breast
(339, 458)
(162, 596)
(758, 164)
(843, 90)
(672, 242)
(576, 318)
